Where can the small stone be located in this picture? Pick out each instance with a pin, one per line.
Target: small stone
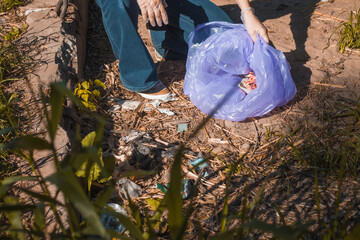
(217, 150)
(52, 14)
(245, 147)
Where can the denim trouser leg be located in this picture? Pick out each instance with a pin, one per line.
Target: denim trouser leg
(136, 67)
(184, 16)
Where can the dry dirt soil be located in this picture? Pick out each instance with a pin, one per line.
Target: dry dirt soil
(326, 80)
(271, 168)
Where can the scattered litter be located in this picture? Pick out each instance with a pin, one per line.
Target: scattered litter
(132, 105)
(217, 141)
(35, 10)
(170, 98)
(162, 187)
(182, 127)
(129, 105)
(169, 153)
(134, 134)
(186, 188)
(201, 167)
(129, 187)
(156, 105)
(111, 222)
(120, 158)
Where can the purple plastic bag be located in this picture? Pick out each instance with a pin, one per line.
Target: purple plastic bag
(219, 53)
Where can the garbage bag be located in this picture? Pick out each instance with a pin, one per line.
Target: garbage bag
(219, 55)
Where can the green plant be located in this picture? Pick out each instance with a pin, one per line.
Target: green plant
(12, 34)
(88, 94)
(6, 5)
(10, 59)
(170, 214)
(95, 173)
(349, 32)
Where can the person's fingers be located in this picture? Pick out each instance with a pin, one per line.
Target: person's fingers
(265, 36)
(164, 3)
(163, 13)
(144, 14)
(253, 36)
(151, 15)
(158, 17)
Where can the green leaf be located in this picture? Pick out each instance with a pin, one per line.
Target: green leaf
(66, 92)
(174, 199)
(14, 208)
(99, 83)
(71, 188)
(56, 103)
(279, 232)
(104, 196)
(153, 203)
(6, 184)
(40, 196)
(39, 217)
(96, 93)
(88, 141)
(354, 234)
(14, 216)
(90, 106)
(99, 132)
(99, 169)
(86, 85)
(84, 97)
(28, 143)
(109, 166)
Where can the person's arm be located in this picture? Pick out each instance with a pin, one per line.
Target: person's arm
(252, 23)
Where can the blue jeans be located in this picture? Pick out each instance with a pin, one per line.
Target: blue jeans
(136, 67)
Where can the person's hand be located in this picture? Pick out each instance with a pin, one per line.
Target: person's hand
(254, 26)
(153, 11)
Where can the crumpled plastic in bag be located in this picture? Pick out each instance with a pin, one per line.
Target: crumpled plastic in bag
(219, 55)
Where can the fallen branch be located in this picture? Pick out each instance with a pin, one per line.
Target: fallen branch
(236, 135)
(328, 16)
(329, 85)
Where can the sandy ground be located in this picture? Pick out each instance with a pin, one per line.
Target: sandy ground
(326, 81)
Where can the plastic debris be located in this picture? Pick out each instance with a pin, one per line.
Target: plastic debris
(182, 127)
(129, 187)
(134, 135)
(217, 141)
(186, 188)
(156, 105)
(202, 167)
(132, 105)
(248, 82)
(111, 222)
